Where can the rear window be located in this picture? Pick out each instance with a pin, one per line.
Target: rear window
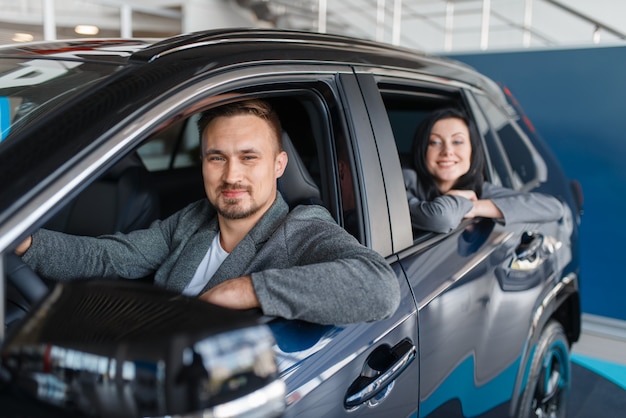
(527, 167)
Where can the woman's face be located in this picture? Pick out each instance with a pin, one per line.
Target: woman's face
(449, 152)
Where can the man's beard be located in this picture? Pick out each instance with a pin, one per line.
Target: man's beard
(230, 208)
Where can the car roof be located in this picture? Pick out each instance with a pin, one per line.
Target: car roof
(231, 46)
(137, 64)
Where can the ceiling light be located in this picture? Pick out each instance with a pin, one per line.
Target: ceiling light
(86, 30)
(22, 37)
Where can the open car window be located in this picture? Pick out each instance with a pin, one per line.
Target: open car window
(406, 108)
(163, 174)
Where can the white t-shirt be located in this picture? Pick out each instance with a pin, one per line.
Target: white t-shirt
(209, 265)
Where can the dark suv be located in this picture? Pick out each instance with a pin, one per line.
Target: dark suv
(100, 136)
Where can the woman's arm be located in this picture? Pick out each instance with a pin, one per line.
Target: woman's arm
(484, 208)
(442, 214)
(517, 207)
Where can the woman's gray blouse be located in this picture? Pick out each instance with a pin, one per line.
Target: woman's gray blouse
(444, 213)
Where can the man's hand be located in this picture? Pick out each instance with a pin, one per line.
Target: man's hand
(237, 293)
(24, 246)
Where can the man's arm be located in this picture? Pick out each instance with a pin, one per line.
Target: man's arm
(313, 270)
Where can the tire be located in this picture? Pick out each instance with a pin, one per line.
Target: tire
(548, 385)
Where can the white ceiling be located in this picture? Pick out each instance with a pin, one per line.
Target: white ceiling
(430, 25)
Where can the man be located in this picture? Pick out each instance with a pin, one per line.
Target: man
(241, 248)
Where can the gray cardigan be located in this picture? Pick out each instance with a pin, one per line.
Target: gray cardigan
(303, 265)
(445, 213)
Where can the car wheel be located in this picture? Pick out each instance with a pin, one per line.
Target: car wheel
(548, 386)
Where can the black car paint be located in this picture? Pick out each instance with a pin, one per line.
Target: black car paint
(472, 345)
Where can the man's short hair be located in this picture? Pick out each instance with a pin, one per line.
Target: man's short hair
(255, 107)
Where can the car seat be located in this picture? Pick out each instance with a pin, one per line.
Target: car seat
(123, 199)
(296, 184)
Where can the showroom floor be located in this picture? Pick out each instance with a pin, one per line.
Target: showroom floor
(599, 370)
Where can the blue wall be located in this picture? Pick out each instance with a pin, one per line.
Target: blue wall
(576, 98)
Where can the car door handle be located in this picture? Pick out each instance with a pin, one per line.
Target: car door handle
(528, 254)
(534, 260)
(530, 243)
(380, 370)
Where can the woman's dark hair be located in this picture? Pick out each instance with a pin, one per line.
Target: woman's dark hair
(473, 179)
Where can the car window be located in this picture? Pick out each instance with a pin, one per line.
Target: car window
(314, 126)
(168, 161)
(498, 170)
(405, 110)
(174, 147)
(527, 167)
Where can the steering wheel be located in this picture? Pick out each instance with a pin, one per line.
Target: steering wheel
(24, 288)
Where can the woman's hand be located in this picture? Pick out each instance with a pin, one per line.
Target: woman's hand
(468, 194)
(484, 208)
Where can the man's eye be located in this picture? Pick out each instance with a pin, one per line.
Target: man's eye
(215, 158)
(249, 157)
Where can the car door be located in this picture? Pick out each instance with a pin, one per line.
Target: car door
(522, 167)
(366, 369)
(474, 323)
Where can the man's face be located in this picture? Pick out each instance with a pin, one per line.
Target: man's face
(240, 166)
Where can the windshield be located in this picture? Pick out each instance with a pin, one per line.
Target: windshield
(32, 84)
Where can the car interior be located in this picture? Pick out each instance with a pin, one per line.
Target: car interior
(123, 199)
(162, 176)
(405, 112)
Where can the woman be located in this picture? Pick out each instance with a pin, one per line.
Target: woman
(449, 163)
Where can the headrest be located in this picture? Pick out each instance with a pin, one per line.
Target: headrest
(132, 160)
(296, 184)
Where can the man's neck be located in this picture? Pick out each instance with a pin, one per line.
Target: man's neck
(232, 231)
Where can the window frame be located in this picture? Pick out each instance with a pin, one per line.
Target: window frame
(392, 83)
(539, 164)
(328, 123)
